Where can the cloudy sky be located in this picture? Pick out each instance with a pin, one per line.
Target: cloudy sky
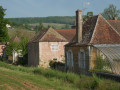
(43, 8)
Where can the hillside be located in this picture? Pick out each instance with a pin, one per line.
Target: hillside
(31, 78)
(52, 19)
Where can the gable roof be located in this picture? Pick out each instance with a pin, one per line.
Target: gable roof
(115, 24)
(15, 39)
(97, 30)
(51, 35)
(67, 33)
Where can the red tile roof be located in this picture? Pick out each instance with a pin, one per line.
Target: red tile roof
(105, 33)
(51, 35)
(97, 30)
(67, 33)
(115, 24)
(15, 39)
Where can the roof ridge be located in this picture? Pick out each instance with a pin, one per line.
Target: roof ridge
(111, 26)
(36, 35)
(54, 31)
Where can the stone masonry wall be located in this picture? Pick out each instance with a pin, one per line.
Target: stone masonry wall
(75, 51)
(46, 53)
(33, 54)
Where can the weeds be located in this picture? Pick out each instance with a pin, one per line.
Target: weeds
(80, 81)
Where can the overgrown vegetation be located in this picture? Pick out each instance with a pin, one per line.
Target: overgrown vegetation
(101, 65)
(70, 80)
(4, 37)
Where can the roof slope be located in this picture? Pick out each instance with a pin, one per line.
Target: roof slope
(97, 30)
(67, 33)
(15, 39)
(115, 24)
(104, 33)
(51, 35)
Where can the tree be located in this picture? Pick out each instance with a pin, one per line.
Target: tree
(111, 12)
(3, 29)
(39, 27)
(12, 46)
(24, 48)
(89, 14)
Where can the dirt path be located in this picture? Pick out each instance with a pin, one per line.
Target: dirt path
(27, 84)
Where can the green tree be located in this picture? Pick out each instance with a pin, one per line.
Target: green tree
(10, 47)
(24, 48)
(111, 12)
(39, 27)
(89, 14)
(3, 29)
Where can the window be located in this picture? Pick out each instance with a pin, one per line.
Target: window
(69, 59)
(54, 47)
(81, 59)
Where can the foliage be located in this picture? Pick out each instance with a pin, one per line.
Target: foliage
(101, 65)
(10, 47)
(111, 12)
(3, 29)
(53, 19)
(89, 14)
(39, 27)
(56, 65)
(24, 47)
(51, 77)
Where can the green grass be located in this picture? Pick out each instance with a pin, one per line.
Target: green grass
(19, 77)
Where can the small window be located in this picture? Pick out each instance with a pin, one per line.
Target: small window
(54, 47)
(69, 58)
(81, 59)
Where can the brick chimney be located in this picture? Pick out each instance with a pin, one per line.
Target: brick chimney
(78, 26)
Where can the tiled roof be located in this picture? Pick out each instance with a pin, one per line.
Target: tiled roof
(115, 24)
(105, 33)
(67, 33)
(15, 39)
(51, 35)
(97, 30)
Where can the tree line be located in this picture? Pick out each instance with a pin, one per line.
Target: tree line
(52, 19)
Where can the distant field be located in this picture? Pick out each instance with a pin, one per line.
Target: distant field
(54, 25)
(31, 78)
(20, 32)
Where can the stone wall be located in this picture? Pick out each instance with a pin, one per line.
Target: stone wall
(33, 54)
(75, 51)
(47, 54)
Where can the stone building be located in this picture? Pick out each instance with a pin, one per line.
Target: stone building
(48, 45)
(96, 45)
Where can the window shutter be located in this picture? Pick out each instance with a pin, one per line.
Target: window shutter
(67, 59)
(72, 58)
(79, 59)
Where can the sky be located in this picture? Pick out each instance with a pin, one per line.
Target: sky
(44, 8)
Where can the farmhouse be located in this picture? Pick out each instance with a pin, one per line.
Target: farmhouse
(96, 45)
(48, 45)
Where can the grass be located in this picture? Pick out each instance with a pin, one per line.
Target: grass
(19, 77)
(20, 32)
